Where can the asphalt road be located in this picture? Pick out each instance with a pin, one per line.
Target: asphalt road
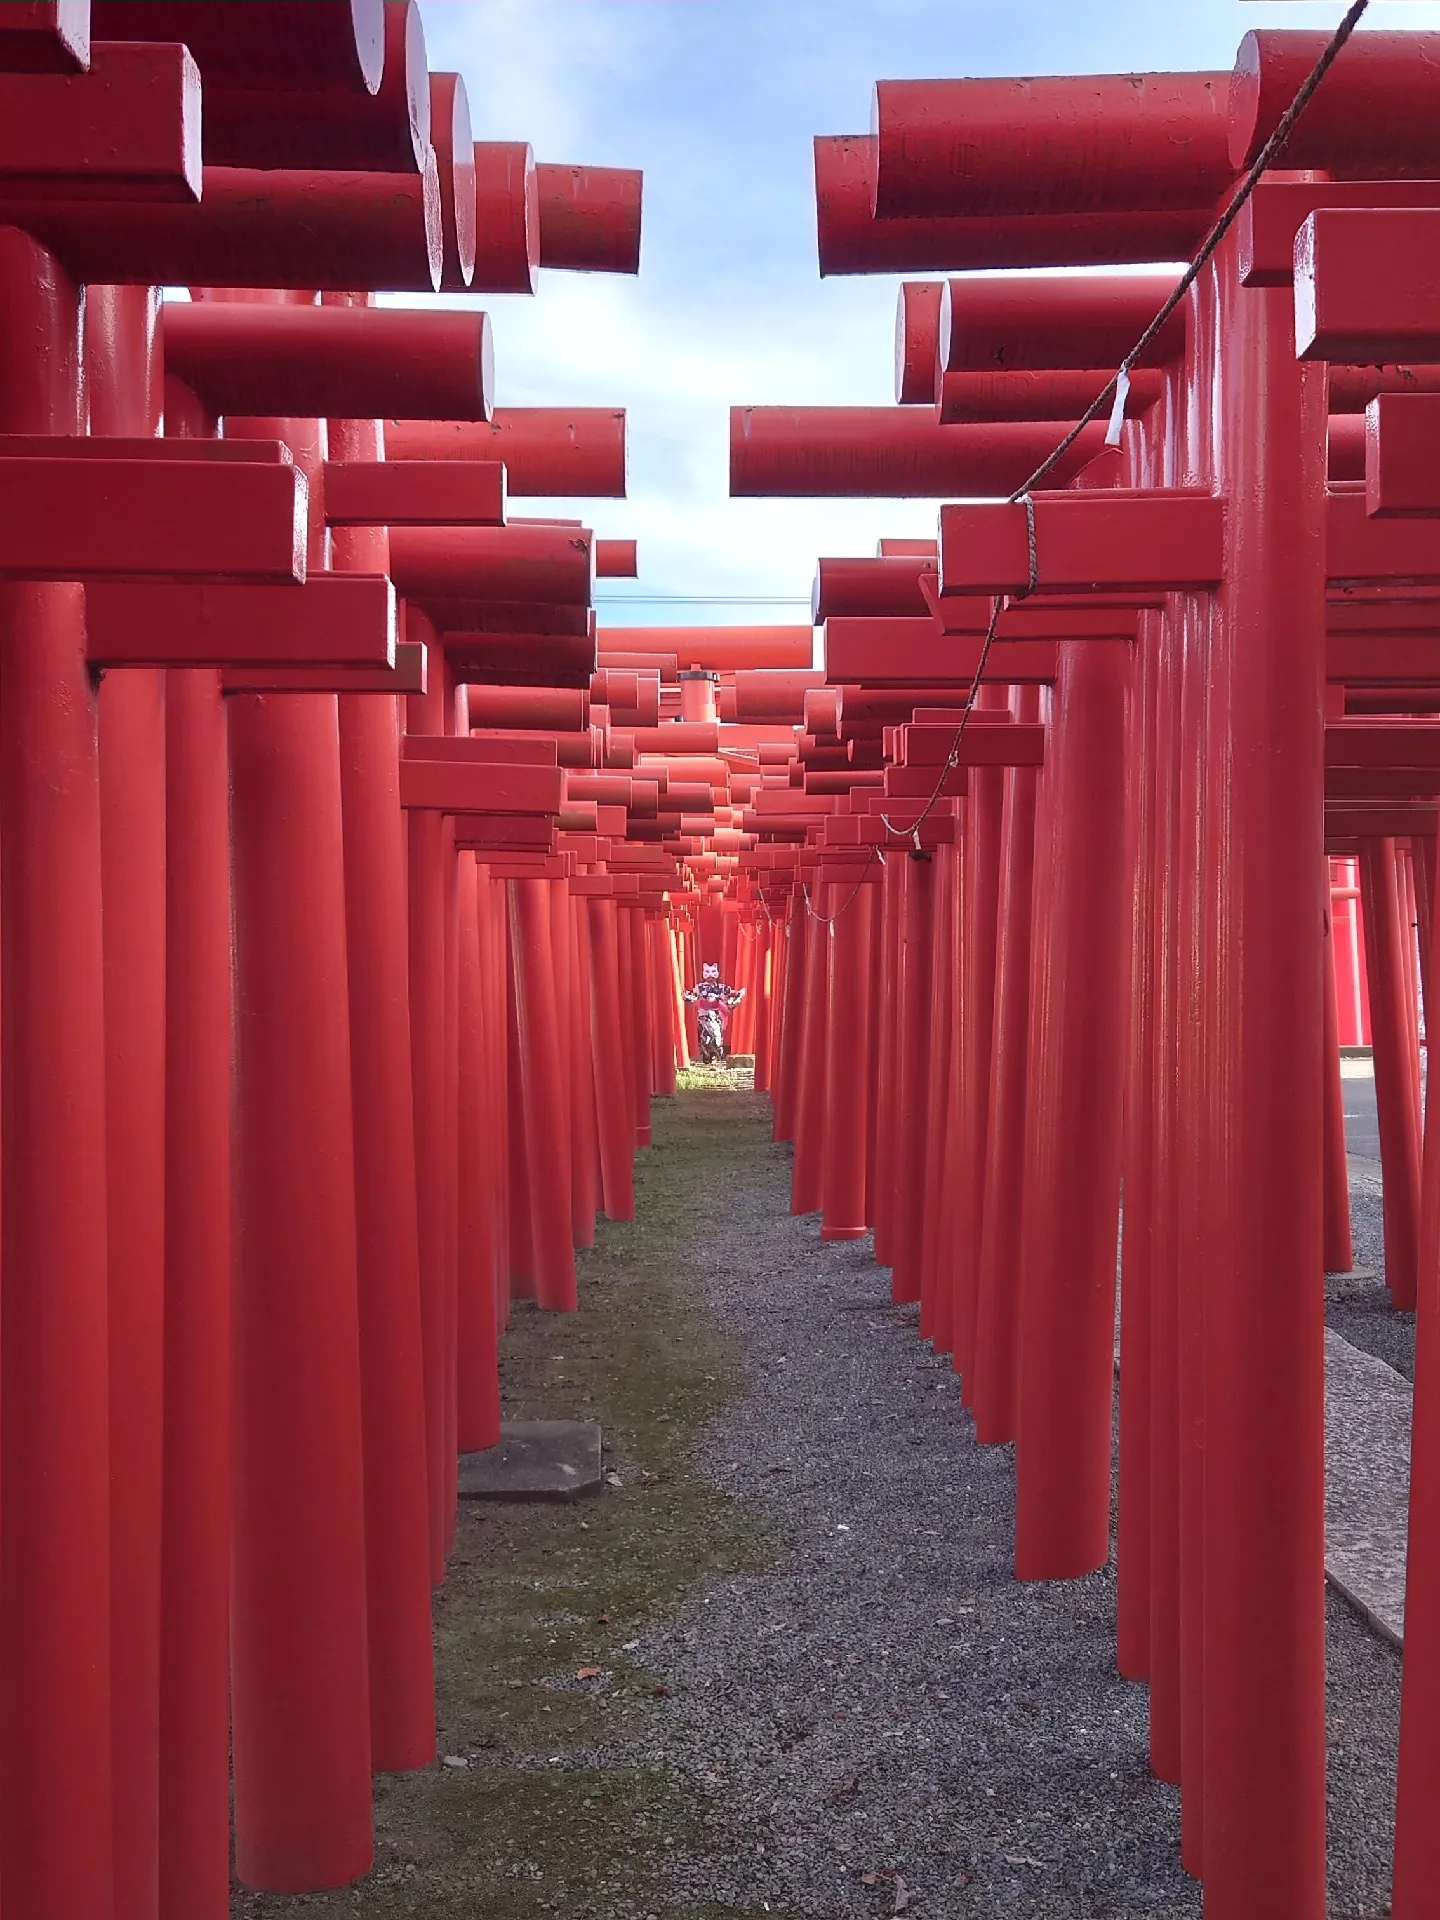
(1362, 1132)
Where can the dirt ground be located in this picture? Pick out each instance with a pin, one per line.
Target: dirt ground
(540, 1819)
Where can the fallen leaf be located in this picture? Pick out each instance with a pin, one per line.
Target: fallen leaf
(869, 1879)
(589, 1673)
(660, 1693)
(902, 1895)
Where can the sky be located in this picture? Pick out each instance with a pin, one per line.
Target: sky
(718, 102)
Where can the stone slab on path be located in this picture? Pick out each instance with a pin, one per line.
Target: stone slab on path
(535, 1460)
(1367, 1483)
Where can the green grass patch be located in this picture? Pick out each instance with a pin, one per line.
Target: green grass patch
(544, 1818)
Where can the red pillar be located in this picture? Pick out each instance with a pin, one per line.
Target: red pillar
(1164, 1371)
(984, 809)
(428, 878)
(302, 1752)
(120, 365)
(890, 915)
(547, 1130)
(1196, 1245)
(1397, 1091)
(792, 1021)
(624, 972)
(613, 1113)
(1339, 1247)
(689, 975)
(1353, 1011)
(662, 1002)
(1422, 867)
(914, 1067)
(847, 1064)
(477, 1317)
(939, 1143)
(1409, 950)
(679, 940)
(522, 1246)
(450, 1298)
(392, 1377)
(1417, 1835)
(806, 1174)
(584, 1145)
(1264, 1329)
(562, 967)
(997, 1304)
(194, 1745)
(875, 985)
(497, 1050)
(637, 974)
(1073, 1131)
(55, 1723)
(1133, 1600)
(194, 1779)
(764, 1003)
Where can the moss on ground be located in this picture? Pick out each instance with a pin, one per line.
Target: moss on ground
(544, 1818)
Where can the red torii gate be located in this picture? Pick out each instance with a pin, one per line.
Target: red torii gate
(1228, 585)
(231, 519)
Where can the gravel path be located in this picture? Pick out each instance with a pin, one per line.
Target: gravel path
(780, 1664)
(887, 1722)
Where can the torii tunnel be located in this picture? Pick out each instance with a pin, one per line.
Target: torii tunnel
(358, 889)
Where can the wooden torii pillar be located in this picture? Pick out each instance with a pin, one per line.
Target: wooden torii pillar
(1391, 311)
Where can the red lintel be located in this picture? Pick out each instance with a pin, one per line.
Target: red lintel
(505, 864)
(1359, 548)
(334, 621)
(1011, 746)
(1365, 292)
(409, 675)
(909, 653)
(45, 36)
(531, 833)
(1270, 220)
(1385, 658)
(181, 519)
(324, 45)
(1115, 538)
(590, 218)
(481, 787)
(1382, 743)
(415, 493)
(1402, 474)
(331, 362)
(489, 750)
(1361, 822)
(128, 129)
(1382, 783)
(918, 783)
(257, 227)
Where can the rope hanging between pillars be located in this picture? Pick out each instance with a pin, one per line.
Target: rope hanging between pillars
(1111, 398)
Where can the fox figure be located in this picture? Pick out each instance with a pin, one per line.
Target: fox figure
(714, 1001)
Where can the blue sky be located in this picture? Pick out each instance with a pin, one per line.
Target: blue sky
(718, 101)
